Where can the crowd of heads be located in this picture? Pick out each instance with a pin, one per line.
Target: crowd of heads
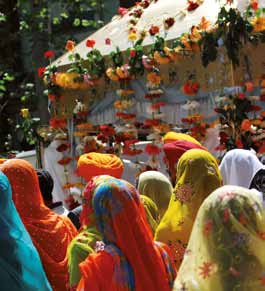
(201, 228)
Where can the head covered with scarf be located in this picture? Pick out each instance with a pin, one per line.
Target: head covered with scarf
(20, 265)
(173, 152)
(88, 166)
(85, 242)
(95, 164)
(49, 232)
(239, 167)
(174, 136)
(130, 259)
(197, 176)
(226, 250)
(156, 186)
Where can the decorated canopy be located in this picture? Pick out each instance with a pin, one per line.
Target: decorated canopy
(116, 32)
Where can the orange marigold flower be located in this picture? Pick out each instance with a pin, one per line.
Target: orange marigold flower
(249, 86)
(154, 30)
(246, 125)
(154, 78)
(70, 45)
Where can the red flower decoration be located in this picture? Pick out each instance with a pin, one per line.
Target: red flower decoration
(191, 88)
(64, 161)
(254, 4)
(187, 120)
(107, 130)
(125, 116)
(107, 41)
(239, 144)
(152, 96)
(49, 54)
(220, 147)
(131, 152)
(132, 53)
(157, 105)
(262, 98)
(152, 122)
(169, 22)
(52, 97)
(102, 138)
(223, 137)
(41, 71)
(57, 123)
(70, 45)
(192, 5)
(130, 142)
(254, 108)
(63, 147)
(90, 43)
(152, 149)
(218, 110)
(122, 11)
(241, 96)
(154, 30)
(246, 125)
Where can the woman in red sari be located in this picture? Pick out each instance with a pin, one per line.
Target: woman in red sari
(129, 259)
(50, 232)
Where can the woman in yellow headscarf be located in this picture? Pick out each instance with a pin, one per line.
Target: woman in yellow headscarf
(197, 176)
(151, 212)
(158, 187)
(226, 251)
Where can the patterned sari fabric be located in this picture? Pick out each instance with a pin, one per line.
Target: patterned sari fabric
(130, 260)
(50, 233)
(197, 176)
(226, 250)
(84, 243)
(20, 265)
(156, 186)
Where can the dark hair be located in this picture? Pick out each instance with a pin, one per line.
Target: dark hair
(46, 184)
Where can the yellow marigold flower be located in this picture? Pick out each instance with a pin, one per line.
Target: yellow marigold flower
(24, 112)
(132, 36)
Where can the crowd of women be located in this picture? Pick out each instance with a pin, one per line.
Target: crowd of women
(201, 229)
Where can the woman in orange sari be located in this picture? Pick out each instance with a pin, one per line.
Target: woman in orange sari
(129, 259)
(50, 233)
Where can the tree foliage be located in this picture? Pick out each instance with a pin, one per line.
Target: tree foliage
(27, 29)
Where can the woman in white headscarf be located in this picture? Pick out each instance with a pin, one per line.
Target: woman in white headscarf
(242, 168)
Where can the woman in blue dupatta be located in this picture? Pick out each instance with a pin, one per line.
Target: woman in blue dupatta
(20, 265)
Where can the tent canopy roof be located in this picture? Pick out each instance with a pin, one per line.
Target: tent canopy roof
(155, 14)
